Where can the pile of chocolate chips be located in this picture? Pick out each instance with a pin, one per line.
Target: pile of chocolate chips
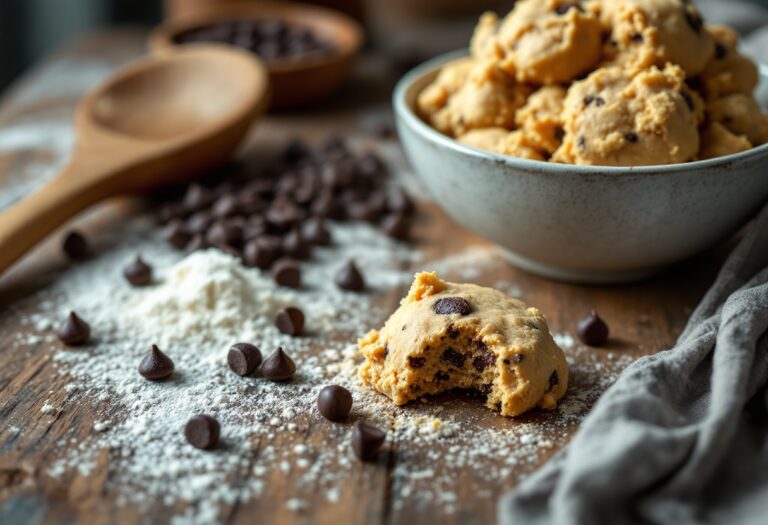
(273, 219)
(270, 39)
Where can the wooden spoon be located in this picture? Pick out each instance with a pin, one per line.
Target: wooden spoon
(159, 120)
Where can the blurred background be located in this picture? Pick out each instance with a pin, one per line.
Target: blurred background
(29, 29)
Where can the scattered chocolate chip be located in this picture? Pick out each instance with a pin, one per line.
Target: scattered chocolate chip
(283, 214)
(334, 402)
(592, 330)
(197, 243)
(326, 206)
(74, 331)
(367, 441)
(224, 234)
(176, 234)
(202, 431)
(290, 320)
(243, 358)
(296, 246)
(75, 246)
(286, 272)
(519, 358)
(720, 51)
(631, 137)
(453, 357)
(278, 366)
(156, 365)
(138, 273)
(315, 231)
(261, 252)
(349, 278)
(553, 379)
(417, 362)
(396, 225)
(226, 206)
(451, 305)
(197, 198)
(199, 223)
(295, 150)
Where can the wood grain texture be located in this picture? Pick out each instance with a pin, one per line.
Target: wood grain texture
(644, 318)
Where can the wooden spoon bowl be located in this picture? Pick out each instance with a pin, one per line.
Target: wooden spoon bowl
(295, 82)
(160, 120)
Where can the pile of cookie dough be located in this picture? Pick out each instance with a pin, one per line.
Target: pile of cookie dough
(600, 82)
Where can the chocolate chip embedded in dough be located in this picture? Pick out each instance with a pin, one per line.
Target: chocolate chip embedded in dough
(452, 305)
(417, 362)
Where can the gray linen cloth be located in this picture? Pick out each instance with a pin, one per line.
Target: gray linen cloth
(682, 436)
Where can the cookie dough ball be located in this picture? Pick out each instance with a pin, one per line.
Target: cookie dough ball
(728, 71)
(741, 115)
(499, 140)
(542, 118)
(484, 44)
(450, 79)
(717, 140)
(488, 98)
(446, 336)
(653, 32)
(550, 41)
(613, 119)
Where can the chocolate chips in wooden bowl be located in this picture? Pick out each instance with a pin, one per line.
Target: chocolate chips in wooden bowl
(272, 219)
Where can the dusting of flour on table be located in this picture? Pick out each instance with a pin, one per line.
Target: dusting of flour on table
(202, 304)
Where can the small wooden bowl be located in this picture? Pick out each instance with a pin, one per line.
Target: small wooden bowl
(294, 82)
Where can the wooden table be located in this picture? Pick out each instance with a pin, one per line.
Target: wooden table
(644, 318)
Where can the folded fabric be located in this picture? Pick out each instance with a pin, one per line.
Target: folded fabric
(682, 436)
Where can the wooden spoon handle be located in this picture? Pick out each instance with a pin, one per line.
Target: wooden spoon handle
(26, 223)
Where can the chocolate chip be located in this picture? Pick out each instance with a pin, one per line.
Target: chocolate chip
(138, 273)
(559, 133)
(485, 357)
(74, 331)
(563, 8)
(286, 272)
(334, 402)
(315, 231)
(75, 246)
(295, 246)
(631, 137)
(720, 51)
(243, 358)
(156, 365)
(592, 330)
(295, 150)
(417, 362)
(451, 305)
(278, 366)
(367, 441)
(223, 234)
(367, 211)
(396, 225)
(441, 376)
(176, 234)
(290, 320)
(349, 278)
(637, 37)
(326, 206)
(581, 142)
(283, 214)
(197, 243)
(398, 201)
(553, 379)
(598, 101)
(261, 252)
(202, 431)
(453, 357)
(519, 358)
(199, 223)
(197, 198)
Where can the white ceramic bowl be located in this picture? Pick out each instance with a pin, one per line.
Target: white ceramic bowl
(582, 223)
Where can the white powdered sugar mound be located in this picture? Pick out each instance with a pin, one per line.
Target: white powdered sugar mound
(196, 308)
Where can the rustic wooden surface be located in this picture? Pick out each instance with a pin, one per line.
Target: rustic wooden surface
(644, 317)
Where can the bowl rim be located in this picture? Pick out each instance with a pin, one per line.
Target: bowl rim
(162, 37)
(410, 118)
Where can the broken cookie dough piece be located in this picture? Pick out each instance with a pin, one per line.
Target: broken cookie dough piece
(447, 335)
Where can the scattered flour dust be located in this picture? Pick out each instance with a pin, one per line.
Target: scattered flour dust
(202, 304)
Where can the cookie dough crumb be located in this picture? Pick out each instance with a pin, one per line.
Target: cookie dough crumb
(447, 335)
(728, 71)
(741, 114)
